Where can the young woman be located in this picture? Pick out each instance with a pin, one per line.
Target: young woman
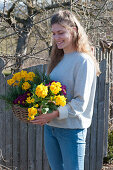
(73, 64)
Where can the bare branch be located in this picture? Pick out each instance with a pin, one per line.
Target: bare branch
(101, 9)
(7, 36)
(10, 10)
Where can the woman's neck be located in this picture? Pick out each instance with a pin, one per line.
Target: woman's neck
(69, 50)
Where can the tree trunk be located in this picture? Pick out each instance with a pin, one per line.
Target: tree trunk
(22, 44)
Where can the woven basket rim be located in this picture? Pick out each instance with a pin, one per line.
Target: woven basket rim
(20, 112)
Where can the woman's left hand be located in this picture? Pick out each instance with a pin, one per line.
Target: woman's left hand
(45, 118)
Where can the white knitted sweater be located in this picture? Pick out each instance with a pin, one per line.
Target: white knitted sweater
(78, 73)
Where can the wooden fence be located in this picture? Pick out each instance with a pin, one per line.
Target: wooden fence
(22, 144)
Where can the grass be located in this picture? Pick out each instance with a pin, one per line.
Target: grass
(109, 157)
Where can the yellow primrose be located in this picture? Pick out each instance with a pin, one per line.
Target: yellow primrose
(26, 86)
(28, 100)
(41, 90)
(55, 87)
(32, 111)
(16, 84)
(60, 100)
(17, 76)
(18, 102)
(28, 94)
(51, 98)
(10, 81)
(32, 100)
(36, 105)
(32, 117)
(23, 74)
(30, 76)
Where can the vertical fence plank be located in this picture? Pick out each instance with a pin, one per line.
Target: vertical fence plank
(23, 146)
(101, 105)
(13, 127)
(97, 54)
(9, 134)
(2, 114)
(31, 146)
(107, 104)
(16, 143)
(86, 166)
(111, 85)
(45, 160)
(93, 137)
(39, 148)
(100, 55)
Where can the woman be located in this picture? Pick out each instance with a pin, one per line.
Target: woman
(73, 64)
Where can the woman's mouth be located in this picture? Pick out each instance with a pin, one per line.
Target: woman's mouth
(59, 42)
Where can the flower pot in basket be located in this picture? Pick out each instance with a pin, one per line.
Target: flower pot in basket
(30, 92)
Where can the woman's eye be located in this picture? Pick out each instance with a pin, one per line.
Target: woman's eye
(60, 33)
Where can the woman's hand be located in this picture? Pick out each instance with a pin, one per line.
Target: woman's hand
(45, 118)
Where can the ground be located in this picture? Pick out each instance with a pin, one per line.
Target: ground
(107, 167)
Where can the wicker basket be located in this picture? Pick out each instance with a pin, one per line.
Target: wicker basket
(21, 113)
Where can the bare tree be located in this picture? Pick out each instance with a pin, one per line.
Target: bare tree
(25, 25)
(22, 17)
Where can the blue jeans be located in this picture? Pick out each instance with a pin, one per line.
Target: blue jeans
(65, 148)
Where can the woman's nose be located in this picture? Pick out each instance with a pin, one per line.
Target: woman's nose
(56, 37)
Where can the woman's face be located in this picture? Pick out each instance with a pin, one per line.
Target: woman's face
(63, 38)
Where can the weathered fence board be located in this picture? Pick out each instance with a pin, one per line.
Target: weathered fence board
(2, 113)
(107, 108)
(23, 144)
(16, 142)
(31, 147)
(93, 135)
(100, 119)
(39, 148)
(8, 135)
(87, 156)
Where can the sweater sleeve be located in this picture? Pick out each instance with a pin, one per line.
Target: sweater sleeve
(83, 80)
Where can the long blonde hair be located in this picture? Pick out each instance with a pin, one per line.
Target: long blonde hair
(68, 20)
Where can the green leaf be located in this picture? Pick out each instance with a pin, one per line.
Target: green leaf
(44, 110)
(50, 110)
(44, 102)
(36, 115)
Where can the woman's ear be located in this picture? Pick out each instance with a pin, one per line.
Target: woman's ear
(75, 29)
